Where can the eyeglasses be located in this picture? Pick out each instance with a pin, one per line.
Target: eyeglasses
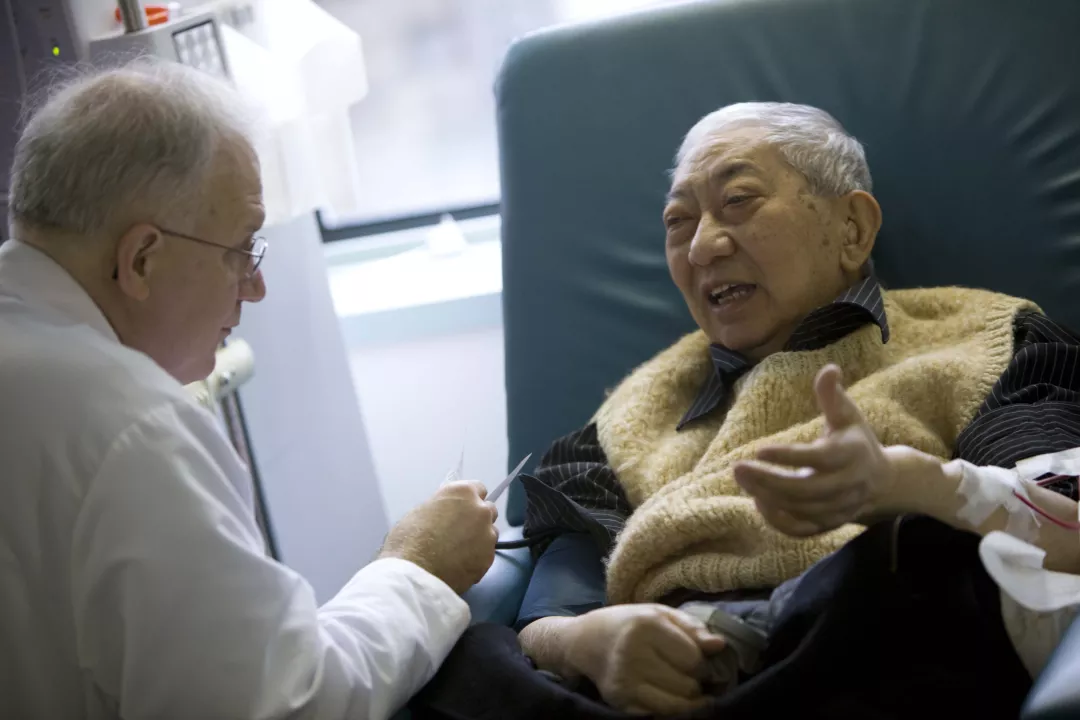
(254, 255)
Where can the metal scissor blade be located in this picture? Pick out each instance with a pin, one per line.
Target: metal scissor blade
(501, 487)
(458, 472)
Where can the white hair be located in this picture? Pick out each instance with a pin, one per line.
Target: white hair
(810, 140)
(110, 144)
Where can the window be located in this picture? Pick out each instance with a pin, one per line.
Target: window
(425, 133)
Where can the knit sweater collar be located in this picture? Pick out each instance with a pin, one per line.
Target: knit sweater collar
(856, 307)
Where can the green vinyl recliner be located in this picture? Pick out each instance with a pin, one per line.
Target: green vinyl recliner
(970, 114)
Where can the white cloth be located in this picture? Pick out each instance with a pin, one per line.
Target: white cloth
(133, 580)
(1037, 605)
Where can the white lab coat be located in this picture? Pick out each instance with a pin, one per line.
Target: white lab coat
(133, 580)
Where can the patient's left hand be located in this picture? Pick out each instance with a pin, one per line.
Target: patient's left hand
(827, 483)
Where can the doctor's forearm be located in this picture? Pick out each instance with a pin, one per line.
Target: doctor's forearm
(926, 485)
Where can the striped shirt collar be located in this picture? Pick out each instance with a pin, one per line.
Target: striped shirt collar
(860, 304)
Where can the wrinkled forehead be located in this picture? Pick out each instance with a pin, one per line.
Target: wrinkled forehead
(232, 191)
(239, 162)
(729, 149)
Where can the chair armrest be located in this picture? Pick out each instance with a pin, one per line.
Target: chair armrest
(497, 597)
(1056, 693)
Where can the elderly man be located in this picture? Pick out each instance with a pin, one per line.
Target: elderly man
(133, 581)
(731, 462)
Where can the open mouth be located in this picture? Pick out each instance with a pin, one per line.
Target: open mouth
(731, 293)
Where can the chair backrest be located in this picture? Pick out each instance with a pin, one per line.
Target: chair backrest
(969, 111)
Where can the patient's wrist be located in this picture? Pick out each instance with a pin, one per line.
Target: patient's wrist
(549, 643)
(917, 482)
(924, 485)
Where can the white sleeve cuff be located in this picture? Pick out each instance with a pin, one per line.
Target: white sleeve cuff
(400, 623)
(397, 573)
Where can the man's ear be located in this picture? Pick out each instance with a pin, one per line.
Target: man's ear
(137, 252)
(863, 222)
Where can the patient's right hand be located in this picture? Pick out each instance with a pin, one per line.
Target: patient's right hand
(643, 658)
(452, 535)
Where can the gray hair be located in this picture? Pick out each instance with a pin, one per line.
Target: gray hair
(107, 145)
(810, 140)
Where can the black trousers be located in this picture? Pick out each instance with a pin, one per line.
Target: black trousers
(902, 622)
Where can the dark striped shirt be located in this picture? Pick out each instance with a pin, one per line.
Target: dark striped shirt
(1034, 408)
(860, 305)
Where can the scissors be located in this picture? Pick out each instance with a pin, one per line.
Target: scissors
(499, 489)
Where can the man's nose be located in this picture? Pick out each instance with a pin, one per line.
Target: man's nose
(711, 241)
(253, 289)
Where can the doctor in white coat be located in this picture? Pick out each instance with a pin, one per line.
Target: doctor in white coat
(133, 581)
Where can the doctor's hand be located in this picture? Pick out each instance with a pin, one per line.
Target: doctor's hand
(452, 535)
(807, 489)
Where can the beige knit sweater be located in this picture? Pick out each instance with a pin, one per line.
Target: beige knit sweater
(692, 526)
